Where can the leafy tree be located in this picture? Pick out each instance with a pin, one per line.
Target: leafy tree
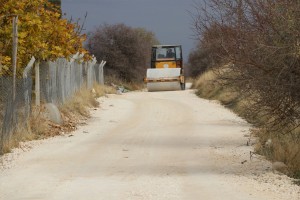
(41, 32)
(57, 3)
(127, 50)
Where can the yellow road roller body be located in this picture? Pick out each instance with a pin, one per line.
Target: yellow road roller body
(166, 72)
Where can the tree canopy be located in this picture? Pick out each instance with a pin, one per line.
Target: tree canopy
(41, 32)
(127, 50)
(257, 46)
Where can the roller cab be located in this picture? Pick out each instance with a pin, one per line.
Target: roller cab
(166, 72)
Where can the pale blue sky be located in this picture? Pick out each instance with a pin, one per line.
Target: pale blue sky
(168, 19)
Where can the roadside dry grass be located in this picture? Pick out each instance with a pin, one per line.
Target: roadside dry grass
(80, 103)
(36, 128)
(131, 86)
(280, 147)
(72, 112)
(84, 99)
(276, 146)
(209, 86)
(21, 134)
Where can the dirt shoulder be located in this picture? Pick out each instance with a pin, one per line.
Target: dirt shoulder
(161, 145)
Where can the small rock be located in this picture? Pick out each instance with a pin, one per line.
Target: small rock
(279, 166)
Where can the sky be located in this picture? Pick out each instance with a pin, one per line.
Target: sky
(168, 19)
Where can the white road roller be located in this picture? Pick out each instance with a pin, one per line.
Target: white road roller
(166, 72)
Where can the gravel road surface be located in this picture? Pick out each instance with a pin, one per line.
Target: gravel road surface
(140, 145)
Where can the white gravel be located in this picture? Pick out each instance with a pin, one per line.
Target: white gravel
(161, 145)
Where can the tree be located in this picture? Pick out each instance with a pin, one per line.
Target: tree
(208, 53)
(38, 36)
(57, 3)
(127, 50)
(260, 42)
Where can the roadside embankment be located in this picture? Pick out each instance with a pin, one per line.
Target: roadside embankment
(279, 145)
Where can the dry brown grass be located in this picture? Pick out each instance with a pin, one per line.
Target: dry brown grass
(285, 146)
(208, 86)
(34, 129)
(102, 90)
(74, 110)
(38, 122)
(85, 99)
(205, 78)
(287, 150)
(131, 86)
(80, 103)
(20, 135)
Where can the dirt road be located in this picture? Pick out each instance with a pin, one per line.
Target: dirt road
(164, 145)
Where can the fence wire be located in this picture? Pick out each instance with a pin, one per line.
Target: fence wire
(14, 111)
(59, 81)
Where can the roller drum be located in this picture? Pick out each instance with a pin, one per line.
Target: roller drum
(163, 75)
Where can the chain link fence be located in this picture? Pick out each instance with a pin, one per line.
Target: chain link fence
(15, 104)
(59, 81)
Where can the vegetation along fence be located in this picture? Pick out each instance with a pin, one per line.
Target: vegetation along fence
(53, 82)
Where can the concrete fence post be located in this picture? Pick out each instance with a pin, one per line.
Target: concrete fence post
(37, 84)
(101, 72)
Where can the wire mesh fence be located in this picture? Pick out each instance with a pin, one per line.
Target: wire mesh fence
(59, 81)
(14, 108)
